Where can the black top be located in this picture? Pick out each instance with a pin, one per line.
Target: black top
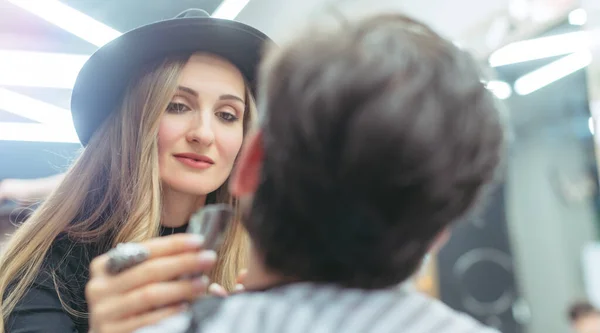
(40, 310)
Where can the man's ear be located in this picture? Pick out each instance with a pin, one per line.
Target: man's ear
(246, 175)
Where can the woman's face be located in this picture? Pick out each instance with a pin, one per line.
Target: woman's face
(201, 132)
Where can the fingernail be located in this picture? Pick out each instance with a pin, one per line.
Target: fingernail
(195, 240)
(215, 289)
(208, 255)
(239, 287)
(201, 283)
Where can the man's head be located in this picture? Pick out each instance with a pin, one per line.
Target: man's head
(584, 318)
(374, 138)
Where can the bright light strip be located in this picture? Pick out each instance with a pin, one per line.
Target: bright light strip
(229, 9)
(540, 48)
(37, 69)
(578, 17)
(34, 109)
(70, 20)
(555, 71)
(591, 125)
(501, 89)
(37, 133)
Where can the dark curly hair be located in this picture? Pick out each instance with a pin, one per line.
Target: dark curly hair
(377, 135)
(581, 309)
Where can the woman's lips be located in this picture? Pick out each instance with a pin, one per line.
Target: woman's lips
(195, 161)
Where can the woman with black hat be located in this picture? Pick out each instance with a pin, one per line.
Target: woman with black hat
(162, 112)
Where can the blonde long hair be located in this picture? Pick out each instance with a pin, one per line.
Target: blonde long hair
(112, 193)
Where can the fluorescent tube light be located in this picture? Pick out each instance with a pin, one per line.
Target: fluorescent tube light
(229, 9)
(540, 48)
(37, 133)
(555, 71)
(501, 89)
(34, 109)
(578, 17)
(54, 124)
(38, 69)
(70, 20)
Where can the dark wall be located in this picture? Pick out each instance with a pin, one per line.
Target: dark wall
(476, 267)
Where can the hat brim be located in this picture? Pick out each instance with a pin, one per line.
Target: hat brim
(103, 79)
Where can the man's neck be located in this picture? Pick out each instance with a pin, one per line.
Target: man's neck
(258, 276)
(261, 278)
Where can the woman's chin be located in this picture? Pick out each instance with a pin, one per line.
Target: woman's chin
(190, 189)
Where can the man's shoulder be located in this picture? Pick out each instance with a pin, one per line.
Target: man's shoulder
(335, 309)
(179, 323)
(325, 309)
(436, 316)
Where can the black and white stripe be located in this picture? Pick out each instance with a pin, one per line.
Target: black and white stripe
(311, 308)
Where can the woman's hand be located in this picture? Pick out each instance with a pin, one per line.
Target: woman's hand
(151, 291)
(217, 290)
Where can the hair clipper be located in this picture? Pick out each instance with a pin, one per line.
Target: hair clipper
(211, 221)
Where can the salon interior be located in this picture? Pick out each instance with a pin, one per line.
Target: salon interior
(519, 265)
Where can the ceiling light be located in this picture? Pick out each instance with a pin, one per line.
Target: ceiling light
(555, 71)
(540, 48)
(501, 89)
(37, 69)
(520, 9)
(36, 110)
(578, 17)
(37, 133)
(54, 124)
(229, 9)
(70, 20)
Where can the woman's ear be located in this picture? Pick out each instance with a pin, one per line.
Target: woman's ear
(246, 174)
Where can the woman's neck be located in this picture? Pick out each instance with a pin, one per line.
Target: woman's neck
(177, 207)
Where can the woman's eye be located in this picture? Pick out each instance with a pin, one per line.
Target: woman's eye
(226, 116)
(177, 107)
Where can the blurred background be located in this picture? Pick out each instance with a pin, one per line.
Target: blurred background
(518, 265)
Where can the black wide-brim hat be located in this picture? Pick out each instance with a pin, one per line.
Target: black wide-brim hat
(103, 79)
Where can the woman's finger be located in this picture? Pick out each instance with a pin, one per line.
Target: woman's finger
(134, 323)
(241, 276)
(158, 247)
(150, 297)
(152, 271)
(217, 290)
(165, 269)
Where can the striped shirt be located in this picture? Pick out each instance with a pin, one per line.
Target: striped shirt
(311, 308)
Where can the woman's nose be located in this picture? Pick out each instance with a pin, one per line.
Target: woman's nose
(201, 130)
